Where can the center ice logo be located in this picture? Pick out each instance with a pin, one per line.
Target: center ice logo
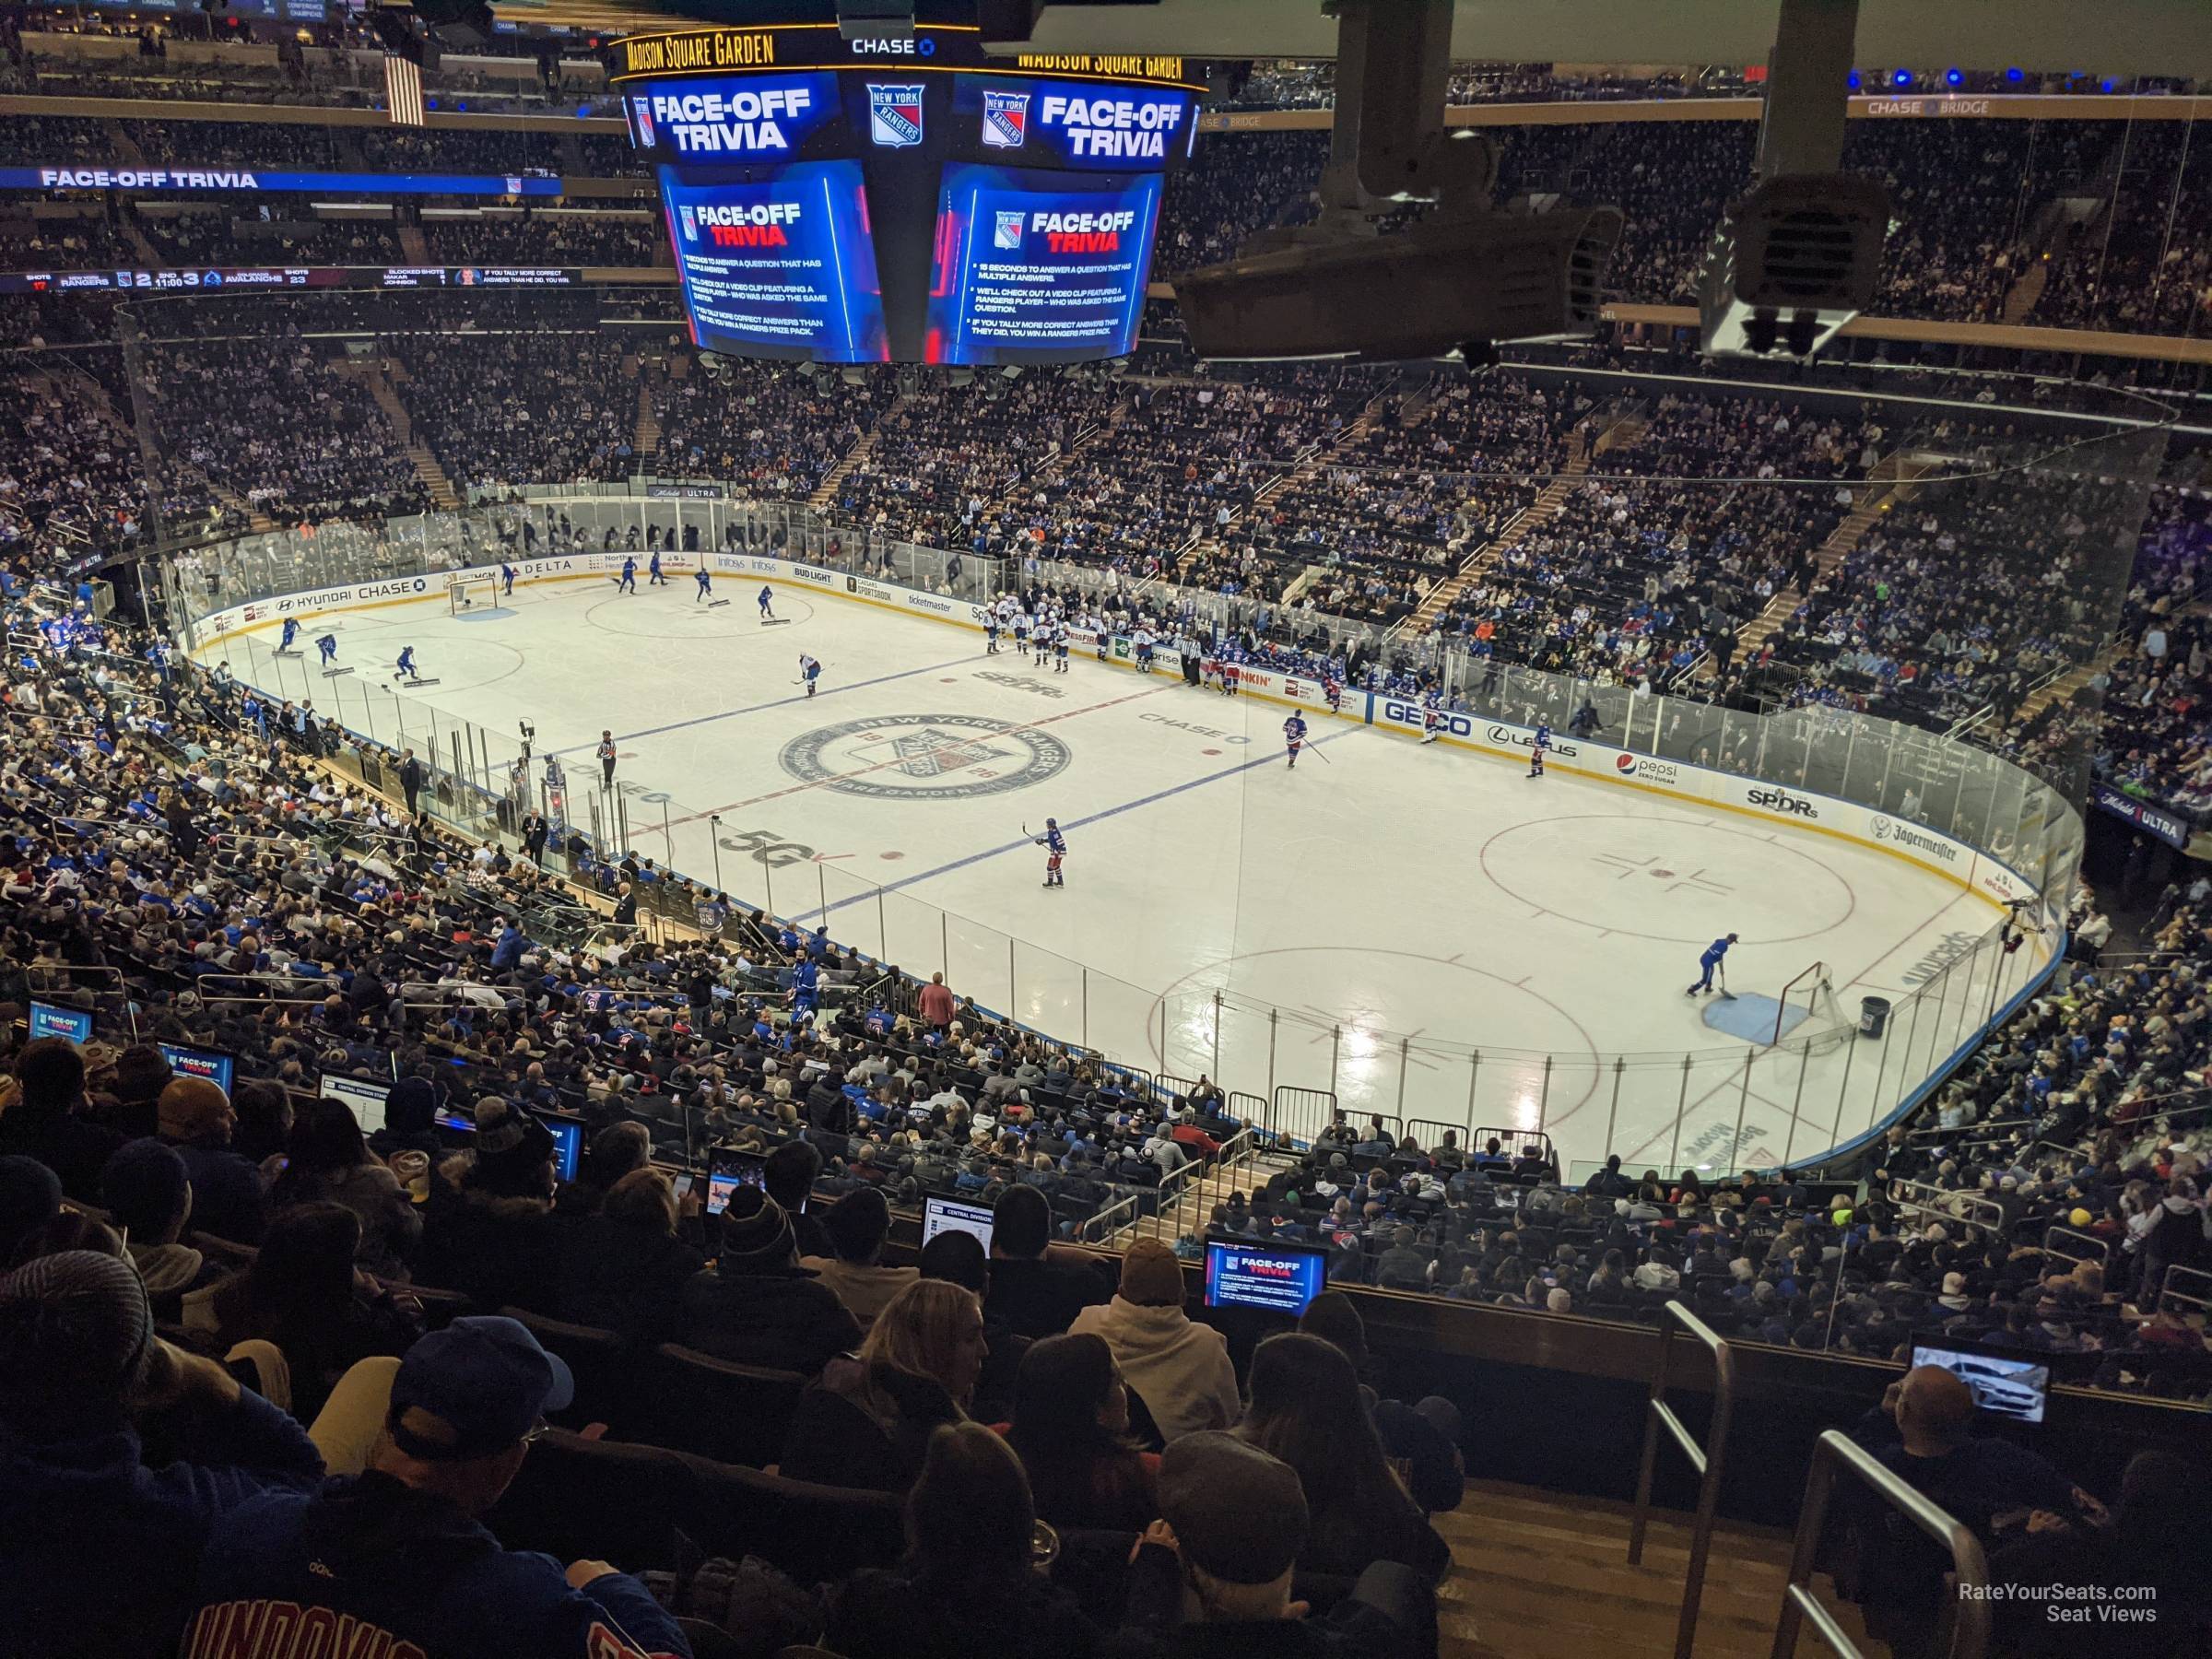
(1006, 120)
(895, 116)
(923, 757)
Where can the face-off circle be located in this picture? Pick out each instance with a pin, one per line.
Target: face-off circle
(924, 757)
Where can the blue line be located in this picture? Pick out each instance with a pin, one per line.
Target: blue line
(1095, 817)
(677, 725)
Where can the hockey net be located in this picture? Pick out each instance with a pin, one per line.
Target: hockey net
(471, 593)
(1806, 1012)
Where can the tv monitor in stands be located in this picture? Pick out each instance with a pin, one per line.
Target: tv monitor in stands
(1274, 1278)
(948, 1214)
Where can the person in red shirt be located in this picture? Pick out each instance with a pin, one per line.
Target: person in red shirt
(938, 1003)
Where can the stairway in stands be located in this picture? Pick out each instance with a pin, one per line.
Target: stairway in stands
(824, 493)
(1540, 1575)
(1889, 482)
(645, 431)
(70, 382)
(411, 244)
(373, 379)
(1627, 428)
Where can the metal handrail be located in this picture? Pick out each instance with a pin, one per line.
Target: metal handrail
(1969, 1628)
(2169, 1293)
(1708, 1461)
(2101, 1250)
(1958, 1206)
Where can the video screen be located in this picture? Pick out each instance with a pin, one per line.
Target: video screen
(727, 1172)
(568, 1146)
(47, 1020)
(2017, 1389)
(1277, 1278)
(946, 1215)
(779, 266)
(217, 1068)
(1040, 267)
(365, 1099)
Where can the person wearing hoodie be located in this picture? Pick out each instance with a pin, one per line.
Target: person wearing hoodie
(857, 1225)
(79, 1368)
(490, 1230)
(327, 1161)
(755, 1305)
(1182, 1370)
(228, 1195)
(148, 1196)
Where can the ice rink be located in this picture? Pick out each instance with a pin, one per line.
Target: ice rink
(1426, 929)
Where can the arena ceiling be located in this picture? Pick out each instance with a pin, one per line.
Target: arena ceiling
(2117, 37)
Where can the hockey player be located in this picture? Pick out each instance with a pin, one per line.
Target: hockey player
(1021, 633)
(1707, 963)
(1060, 648)
(1294, 736)
(628, 582)
(1432, 717)
(606, 759)
(506, 580)
(291, 632)
(767, 597)
(653, 573)
(1537, 746)
(1142, 639)
(328, 646)
(990, 632)
(809, 671)
(1333, 688)
(1232, 677)
(405, 667)
(1056, 850)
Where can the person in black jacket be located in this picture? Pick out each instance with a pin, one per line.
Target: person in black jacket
(967, 1585)
(46, 1118)
(757, 1305)
(488, 1230)
(228, 1199)
(410, 780)
(1031, 1294)
(623, 1268)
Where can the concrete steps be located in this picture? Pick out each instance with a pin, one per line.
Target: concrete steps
(824, 493)
(412, 243)
(645, 431)
(434, 476)
(1889, 482)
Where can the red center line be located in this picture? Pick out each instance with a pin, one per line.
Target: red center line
(777, 794)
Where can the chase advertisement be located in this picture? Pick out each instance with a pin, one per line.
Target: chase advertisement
(781, 266)
(1040, 267)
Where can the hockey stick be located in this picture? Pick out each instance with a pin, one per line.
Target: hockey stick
(1316, 749)
(1727, 994)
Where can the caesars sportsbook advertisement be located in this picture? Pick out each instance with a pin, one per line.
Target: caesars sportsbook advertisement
(906, 201)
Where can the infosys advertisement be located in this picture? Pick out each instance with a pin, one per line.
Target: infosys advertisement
(1039, 266)
(780, 266)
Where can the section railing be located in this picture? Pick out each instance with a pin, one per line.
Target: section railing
(1709, 1460)
(1969, 1604)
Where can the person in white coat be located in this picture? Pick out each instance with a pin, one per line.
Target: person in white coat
(1181, 1371)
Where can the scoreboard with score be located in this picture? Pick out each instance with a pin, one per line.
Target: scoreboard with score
(907, 201)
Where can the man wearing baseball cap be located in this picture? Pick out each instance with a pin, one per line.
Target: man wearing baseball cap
(1211, 1578)
(398, 1555)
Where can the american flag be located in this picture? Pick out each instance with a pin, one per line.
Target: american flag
(402, 90)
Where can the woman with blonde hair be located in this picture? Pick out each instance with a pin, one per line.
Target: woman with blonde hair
(867, 1421)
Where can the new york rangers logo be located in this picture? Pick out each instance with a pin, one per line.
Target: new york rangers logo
(895, 116)
(690, 223)
(644, 106)
(1007, 232)
(1006, 120)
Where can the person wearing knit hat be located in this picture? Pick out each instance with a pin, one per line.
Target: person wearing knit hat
(79, 1357)
(228, 1199)
(488, 1225)
(755, 1305)
(1179, 1368)
(1232, 1521)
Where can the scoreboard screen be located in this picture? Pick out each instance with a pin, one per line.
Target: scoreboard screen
(905, 201)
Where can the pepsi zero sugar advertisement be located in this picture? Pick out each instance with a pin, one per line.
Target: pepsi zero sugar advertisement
(1043, 267)
(778, 266)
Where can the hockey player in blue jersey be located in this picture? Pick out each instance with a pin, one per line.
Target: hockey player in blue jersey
(706, 586)
(1708, 962)
(809, 672)
(405, 667)
(291, 632)
(1294, 736)
(653, 573)
(1432, 717)
(767, 595)
(1056, 850)
(628, 581)
(506, 580)
(328, 646)
(1537, 747)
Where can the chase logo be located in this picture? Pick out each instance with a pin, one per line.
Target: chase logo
(1006, 120)
(1006, 229)
(895, 116)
